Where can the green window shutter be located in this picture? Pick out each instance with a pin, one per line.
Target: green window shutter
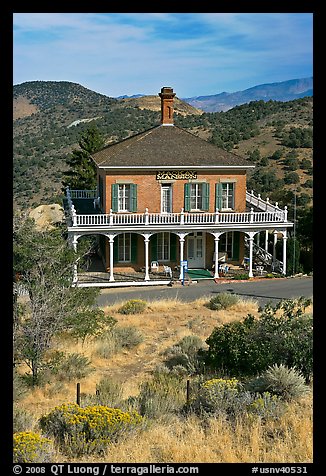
(114, 197)
(173, 247)
(205, 196)
(218, 196)
(116, 250)
(236, 245)
(187, 197)
(153, 247)
(133, 197)
(134, 242)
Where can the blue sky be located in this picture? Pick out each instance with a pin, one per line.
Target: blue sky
(138, 53)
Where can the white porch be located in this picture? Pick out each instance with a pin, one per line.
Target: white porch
(268, 219)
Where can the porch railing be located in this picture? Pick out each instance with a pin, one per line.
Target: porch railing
(272, 214)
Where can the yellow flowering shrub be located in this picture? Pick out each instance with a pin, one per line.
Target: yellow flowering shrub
(133, 306)
(30, 447)
(88, 430)
(266, 405)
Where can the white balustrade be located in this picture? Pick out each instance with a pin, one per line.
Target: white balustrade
(271, 214)
(147, 219)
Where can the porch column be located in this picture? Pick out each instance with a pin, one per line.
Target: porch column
(266, 240)
(111, 241)
(274, 249)
(75, 272)
(216, 240)
(284, 252)
(251, 240)
(182, 242)
(146, 239)
(257, 238)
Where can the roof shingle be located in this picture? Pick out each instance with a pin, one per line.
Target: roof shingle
(166, 146)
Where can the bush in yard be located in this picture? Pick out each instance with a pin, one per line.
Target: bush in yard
(287, 383)
(164, 394)
(185, 354)
(30, 447)
(226, 397)
(133, 306)
(22, 419)
(280, 335)
(79, 431)
(74, 366)
(222, 301)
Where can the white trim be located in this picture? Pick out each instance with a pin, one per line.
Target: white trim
(175, 167)
(117, 284)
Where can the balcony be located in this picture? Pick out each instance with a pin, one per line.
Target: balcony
(80, 201)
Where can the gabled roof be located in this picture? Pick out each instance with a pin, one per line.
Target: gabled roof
(166, 146)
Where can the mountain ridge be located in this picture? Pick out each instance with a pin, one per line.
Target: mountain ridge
(277, 91)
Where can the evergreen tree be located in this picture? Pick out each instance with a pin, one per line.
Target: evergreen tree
(82, 171)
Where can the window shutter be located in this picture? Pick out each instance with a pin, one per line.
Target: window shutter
(187, 197)
(114, 197)
(218, 196)
(100, 190)
(133, 197)
(153, 247)
(173, 247)
(236, 245)
(205, 196)
(233, 196)
(116, 249)
(134, 242)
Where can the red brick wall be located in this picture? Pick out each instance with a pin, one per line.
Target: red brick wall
(149, 189)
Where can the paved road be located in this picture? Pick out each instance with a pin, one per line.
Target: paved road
(263, 291)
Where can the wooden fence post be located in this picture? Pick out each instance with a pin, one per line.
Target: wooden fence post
(188, 392)
(78, 394)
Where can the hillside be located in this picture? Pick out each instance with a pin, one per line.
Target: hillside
(50, 116)
(153, 103)
(281, 91)
(169, 436)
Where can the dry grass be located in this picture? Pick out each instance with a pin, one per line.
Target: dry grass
(164, 323)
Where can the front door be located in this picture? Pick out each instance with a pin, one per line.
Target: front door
(196, 250)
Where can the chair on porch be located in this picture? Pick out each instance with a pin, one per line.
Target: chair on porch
(154, 266)
(167, 270)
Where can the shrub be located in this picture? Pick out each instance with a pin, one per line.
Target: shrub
(74, 366)
(165, 393)
(30, 447)
(20, 388)
(183, 357)
(222, 301)
(88, 430)
(280, 380)
(133, 306)
(22, 420)
(108, 393)
(124, 337)
(220, 396)
(241, 276)
(127, 337)
(266, 406)
(280, 335)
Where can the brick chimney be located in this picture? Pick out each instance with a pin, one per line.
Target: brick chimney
(166, 96)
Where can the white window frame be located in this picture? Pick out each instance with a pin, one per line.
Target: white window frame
(163, 246)
(126, 249)
(196, 199)
(166, 187)
(124, 199)
(228, 197)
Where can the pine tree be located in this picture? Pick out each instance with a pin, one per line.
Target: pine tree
(82, 172)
